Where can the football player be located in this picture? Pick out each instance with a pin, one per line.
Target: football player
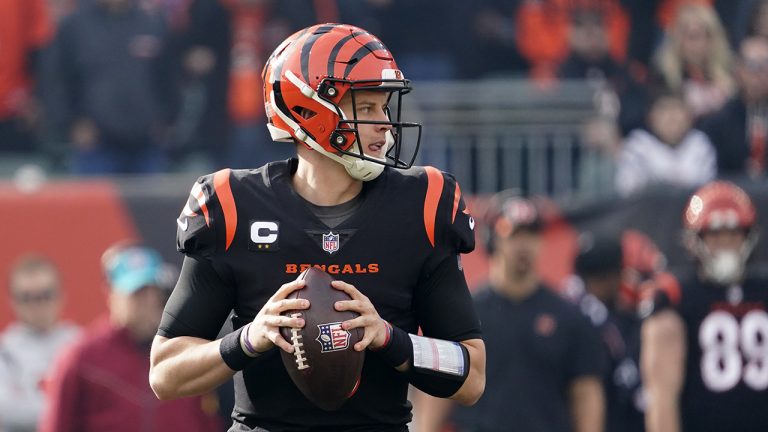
(704, 349)
(351, 204)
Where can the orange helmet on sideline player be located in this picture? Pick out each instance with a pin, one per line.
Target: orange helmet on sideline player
(306, 78)
(720, 205)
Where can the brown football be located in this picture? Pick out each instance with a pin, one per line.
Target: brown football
(324, 364)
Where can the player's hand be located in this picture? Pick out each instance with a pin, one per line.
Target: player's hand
(265, 328)
(374, 329)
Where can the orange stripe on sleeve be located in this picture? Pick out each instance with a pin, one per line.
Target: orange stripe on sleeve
(224, 191)
(434, 190)
(456, 198)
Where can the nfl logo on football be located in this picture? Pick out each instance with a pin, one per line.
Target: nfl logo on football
(330, 242)
(332, 337)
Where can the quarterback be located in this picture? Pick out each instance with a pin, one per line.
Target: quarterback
(350, 203)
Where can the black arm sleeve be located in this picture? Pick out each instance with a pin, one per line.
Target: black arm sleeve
(444, 305)
(200, 302)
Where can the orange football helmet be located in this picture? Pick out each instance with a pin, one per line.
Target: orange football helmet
(306, 78)
(720, 205)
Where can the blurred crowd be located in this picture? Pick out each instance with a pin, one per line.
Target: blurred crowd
(145, 86)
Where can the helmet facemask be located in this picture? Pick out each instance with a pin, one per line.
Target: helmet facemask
(725, 266)
(346, 139)
(395, 155)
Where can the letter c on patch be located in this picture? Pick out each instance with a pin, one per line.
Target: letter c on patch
(263, 232)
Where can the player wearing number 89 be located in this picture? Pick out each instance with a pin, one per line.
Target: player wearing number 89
(705, 348)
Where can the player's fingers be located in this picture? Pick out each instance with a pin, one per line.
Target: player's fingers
(274, 336)
(352, 305)
(288, 288)
(290, 304)
(361, 321)
(353, 323)
(368, 337)
(349, 289)
(295, 320)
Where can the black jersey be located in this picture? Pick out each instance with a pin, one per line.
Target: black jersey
(535, 348)
(726, 382)
(247, 232)
(620, 335)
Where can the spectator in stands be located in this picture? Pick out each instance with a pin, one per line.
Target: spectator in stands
(589, 56)
(590, 59)
(740, 129)
(112, 64)
(543, 28)
(489, 47)
(544, 363)
(254, 26)
(758, 19)
(695, 60)
(600, 147)
(29, 345)
(24, 30)
(204, 40)
(100, 383)
(668, 152)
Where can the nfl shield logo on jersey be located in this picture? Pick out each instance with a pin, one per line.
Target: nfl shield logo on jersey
(332, 337)
(330, 242)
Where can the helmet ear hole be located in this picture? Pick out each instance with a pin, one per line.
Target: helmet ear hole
(305, 113)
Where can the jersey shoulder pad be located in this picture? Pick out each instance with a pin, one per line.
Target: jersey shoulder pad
(447, 220)
(208, 221)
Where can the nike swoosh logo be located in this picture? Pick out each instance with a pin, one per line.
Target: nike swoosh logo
(183, 225)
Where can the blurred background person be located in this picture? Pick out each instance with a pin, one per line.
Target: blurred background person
(590, 59)
(254, 25)
(599, 270)
(489, 48)
(101, 383)
(600, 147)
(694, 59)
(25, 30)
(543, 28)
(740, 129)
(758, 19)
(669, 151)
(545, 361)
(29, 345)
(703, 347)
(114, 99)
(201, 38)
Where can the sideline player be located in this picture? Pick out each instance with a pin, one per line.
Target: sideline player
(349, 203)
(705, 354)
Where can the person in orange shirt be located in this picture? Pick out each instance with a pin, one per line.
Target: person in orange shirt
(543, 27)
(24, 30)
